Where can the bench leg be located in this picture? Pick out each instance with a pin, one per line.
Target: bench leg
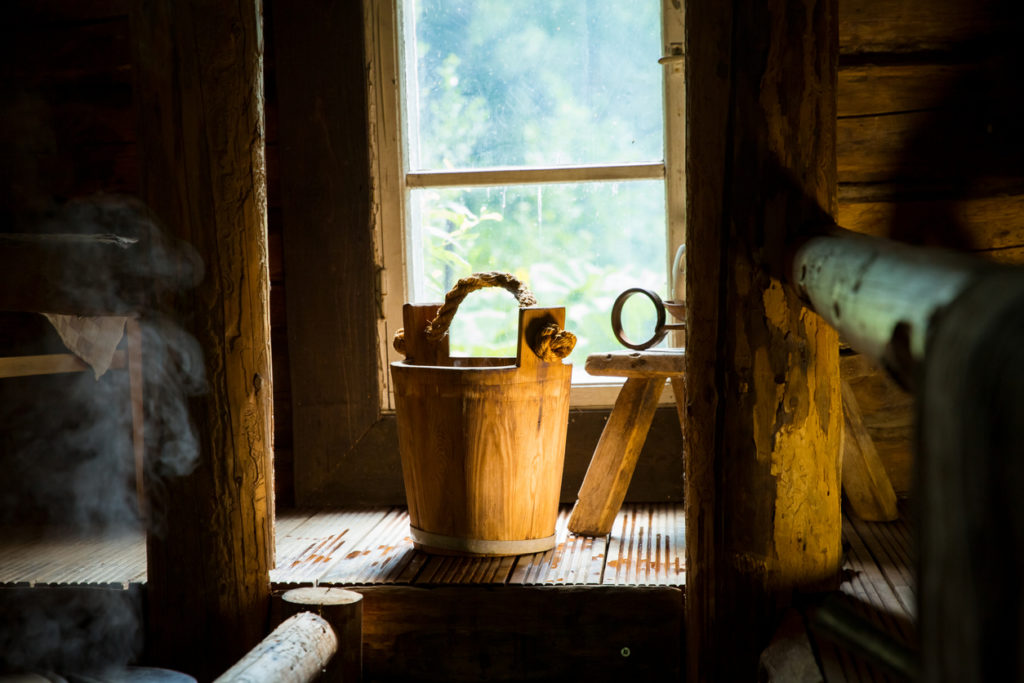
(611, 468)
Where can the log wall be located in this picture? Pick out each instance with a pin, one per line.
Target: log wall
(919, 92)
(927, 116)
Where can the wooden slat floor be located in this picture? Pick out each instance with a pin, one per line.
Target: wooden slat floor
(368, 547)
(372, 546)
(880, 577)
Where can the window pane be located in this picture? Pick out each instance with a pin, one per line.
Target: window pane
(575, 245)
(494, 83)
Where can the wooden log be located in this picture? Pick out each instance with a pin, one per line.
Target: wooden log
(199, 94)
(763, 409)
(295, 652)
(343, 610)
(611, 468)
(880, 295)
(648, 364)
(865, 482)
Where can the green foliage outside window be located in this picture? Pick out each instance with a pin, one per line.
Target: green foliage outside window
(523, 83)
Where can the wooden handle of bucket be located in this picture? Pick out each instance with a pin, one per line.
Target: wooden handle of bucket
(549, 341)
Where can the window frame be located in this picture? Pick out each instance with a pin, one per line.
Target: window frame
(391, 183)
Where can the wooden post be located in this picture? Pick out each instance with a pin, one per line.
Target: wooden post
(295, 652)
(343, 610)
(763, 413)
(199, 97)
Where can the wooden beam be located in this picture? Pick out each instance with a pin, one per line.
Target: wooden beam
(199, 95)
(763, 407)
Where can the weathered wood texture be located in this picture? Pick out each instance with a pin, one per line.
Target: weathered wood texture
(879, 587)
(971, 529)
(482, 446)
(887, 411)
(611, 469)
(768, 448)
(199, 94)
(866, 484)
(343, 610)
(516, 633)
(328, 246)
(295, 652)
(927, 109)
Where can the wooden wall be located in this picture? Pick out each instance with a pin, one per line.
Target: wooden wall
(926, 112)
(929, 149)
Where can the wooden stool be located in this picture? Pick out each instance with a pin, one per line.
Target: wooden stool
(611, 467)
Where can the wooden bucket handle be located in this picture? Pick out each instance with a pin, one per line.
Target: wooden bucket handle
(550, 341)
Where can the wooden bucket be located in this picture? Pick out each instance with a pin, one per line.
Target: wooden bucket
(482, 440)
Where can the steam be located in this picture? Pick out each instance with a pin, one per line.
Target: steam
(66, 440)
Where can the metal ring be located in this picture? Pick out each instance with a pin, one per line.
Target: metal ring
(660, 329)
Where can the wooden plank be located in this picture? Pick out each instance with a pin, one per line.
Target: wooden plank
(874, 149)
(327, 231)
(892, 559)
(887, 411)
(517, 633)
(646, 547)
(865, 481)
(901, 26)
(313, 548)
(604, 487)
(365, 559)
(52, 364)
(871, 89)
(977, 224)
(872, 586)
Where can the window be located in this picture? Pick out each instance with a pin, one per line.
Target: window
(530, 137)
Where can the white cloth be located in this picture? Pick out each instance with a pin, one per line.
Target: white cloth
(92, 338)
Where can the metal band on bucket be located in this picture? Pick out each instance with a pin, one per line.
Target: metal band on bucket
(480, 546)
